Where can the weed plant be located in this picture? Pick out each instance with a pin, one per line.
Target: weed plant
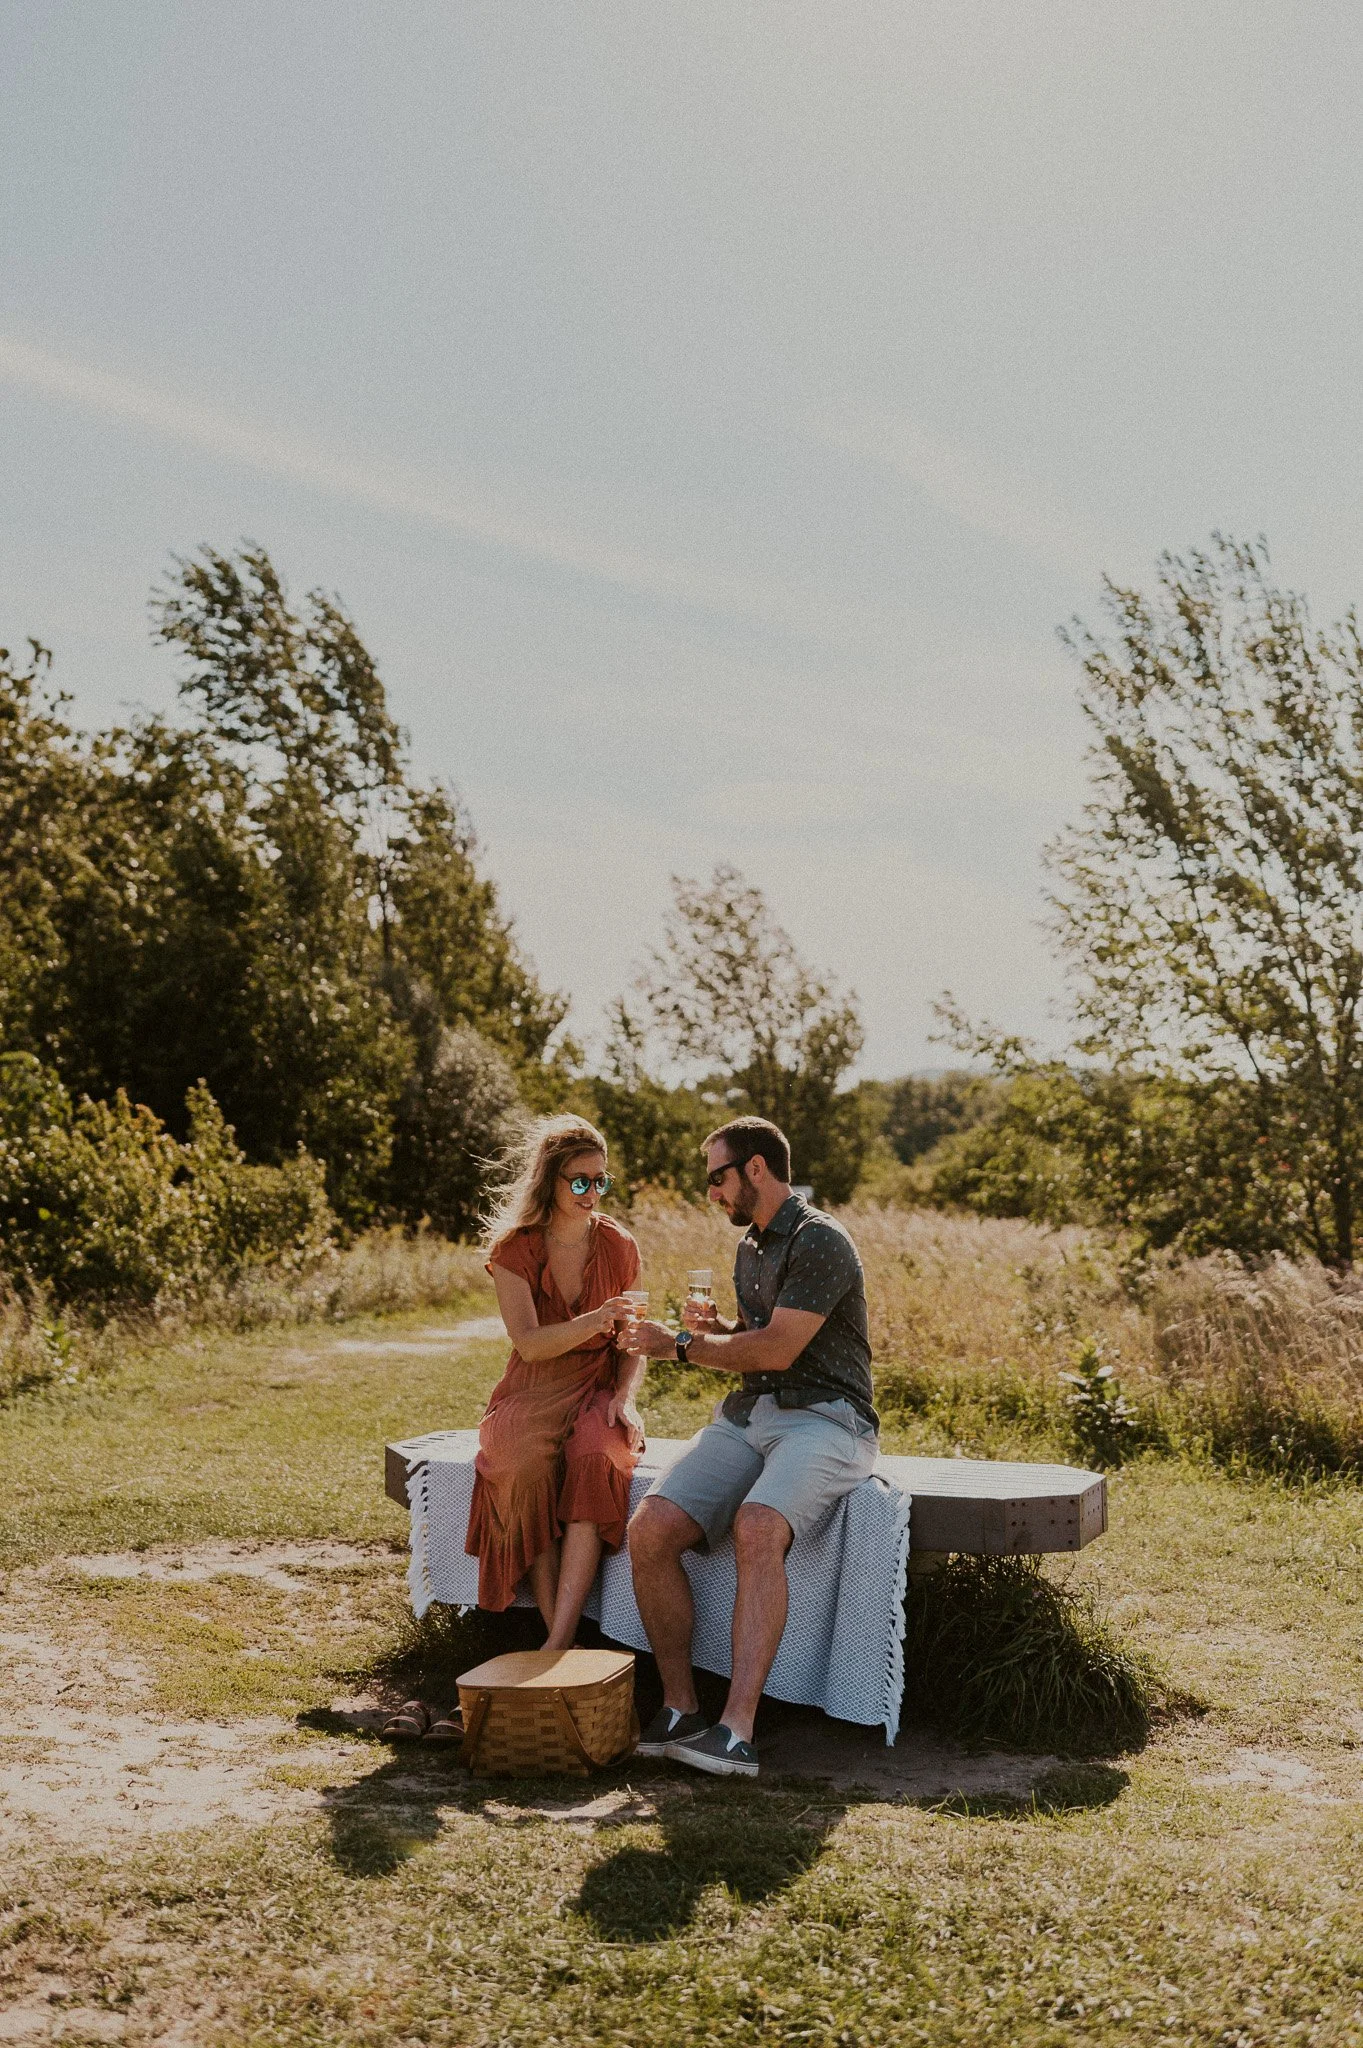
(996, 1651)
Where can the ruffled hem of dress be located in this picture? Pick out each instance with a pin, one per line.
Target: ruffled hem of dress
(506, 1555)
(596, 1490)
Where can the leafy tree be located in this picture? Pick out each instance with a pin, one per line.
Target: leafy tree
(654, 1131)
(459, 1114)
(1177, 1164)
(296, 688)
(728, 991)
(263, 898)
(441, 920)
(921, 1110)
(1208, 900)
(1016, 1162)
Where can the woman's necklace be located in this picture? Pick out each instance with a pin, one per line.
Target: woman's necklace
(571, 1241)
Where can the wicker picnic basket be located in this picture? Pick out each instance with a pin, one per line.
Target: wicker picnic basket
(532, 1713)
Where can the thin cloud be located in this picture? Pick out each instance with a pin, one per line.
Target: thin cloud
(405, 495)
(980, 493)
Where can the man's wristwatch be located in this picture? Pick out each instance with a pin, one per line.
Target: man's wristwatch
(684, 1338)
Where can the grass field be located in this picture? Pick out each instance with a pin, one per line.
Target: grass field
(201, 1573)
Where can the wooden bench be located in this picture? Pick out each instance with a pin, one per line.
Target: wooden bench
(985, 1506)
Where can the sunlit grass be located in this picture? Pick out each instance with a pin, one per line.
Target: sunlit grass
(1164, 1894)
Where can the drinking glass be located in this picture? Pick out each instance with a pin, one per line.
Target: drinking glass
(698, 1284)
(637, 1297)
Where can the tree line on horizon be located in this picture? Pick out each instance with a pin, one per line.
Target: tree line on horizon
(253, 935)
(251, 955)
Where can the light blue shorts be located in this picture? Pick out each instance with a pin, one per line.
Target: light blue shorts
(799, 1461)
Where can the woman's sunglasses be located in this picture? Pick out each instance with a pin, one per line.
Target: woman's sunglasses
(580, 1182)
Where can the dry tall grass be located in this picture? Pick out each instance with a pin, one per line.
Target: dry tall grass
(385, 1272)
(1264, 1365)
(973, 1321)
(382, 1273)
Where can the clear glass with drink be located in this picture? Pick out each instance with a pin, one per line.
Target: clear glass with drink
(699, 1287)
(637, 1297)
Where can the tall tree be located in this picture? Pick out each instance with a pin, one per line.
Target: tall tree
(728, 991)
(655, 1131)
(264, 898)
(441, 922)
(1210, 900)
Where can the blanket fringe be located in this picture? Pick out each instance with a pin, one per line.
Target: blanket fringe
(419, 1570)
(894, 1677)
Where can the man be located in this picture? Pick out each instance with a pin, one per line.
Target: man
(796, 1434)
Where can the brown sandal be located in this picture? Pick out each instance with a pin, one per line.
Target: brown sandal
(447, 1727)
(408, 1724)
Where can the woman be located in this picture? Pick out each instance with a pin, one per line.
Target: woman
(561, 1437)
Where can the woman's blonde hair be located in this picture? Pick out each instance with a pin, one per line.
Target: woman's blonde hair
(527, 1202)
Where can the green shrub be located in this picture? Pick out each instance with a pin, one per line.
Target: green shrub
(1105, 1425)
(100, 1207)
(459, 1117)
(248, 1215)
(995, 1651)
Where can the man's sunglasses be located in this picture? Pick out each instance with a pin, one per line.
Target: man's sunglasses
(580, 1182)
(714, 1178)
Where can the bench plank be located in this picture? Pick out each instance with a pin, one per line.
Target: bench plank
(988, 1507)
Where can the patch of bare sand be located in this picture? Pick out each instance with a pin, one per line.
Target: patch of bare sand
(1270, 1770)
(274, 1564)
(174, 2012)
(86, 1778)
(83, 1760)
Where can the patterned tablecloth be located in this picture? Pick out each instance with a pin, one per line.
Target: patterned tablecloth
(843, 1648)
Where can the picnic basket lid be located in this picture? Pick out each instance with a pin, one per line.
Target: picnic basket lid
(519, 1669)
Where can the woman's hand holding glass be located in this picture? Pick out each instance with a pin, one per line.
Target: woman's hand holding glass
(612, 1316)
(637, 1300)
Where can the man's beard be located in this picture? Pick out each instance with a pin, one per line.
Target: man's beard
(741, 1213)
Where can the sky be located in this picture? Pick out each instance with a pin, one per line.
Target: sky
(706, 412)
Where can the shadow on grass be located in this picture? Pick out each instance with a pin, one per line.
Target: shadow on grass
(378, 1823)
(753, 1840)
(754, 1843)
(1073, 1788)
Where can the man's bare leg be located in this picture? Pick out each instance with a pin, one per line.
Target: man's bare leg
(543, 1576)
(761, 1538)
(658, 1535)
(579, 1557)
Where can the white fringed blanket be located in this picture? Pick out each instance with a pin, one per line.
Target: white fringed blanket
(843, 1649)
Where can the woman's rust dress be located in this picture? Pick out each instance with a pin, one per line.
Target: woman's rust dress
(546, 1456)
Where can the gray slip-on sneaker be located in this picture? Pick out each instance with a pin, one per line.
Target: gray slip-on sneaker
(717, 1750)
(667, 1725)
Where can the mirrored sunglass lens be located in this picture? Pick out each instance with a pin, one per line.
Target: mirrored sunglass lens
(580, 1183)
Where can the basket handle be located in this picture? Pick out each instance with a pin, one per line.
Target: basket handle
(473, 1728)
(568, 1730)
